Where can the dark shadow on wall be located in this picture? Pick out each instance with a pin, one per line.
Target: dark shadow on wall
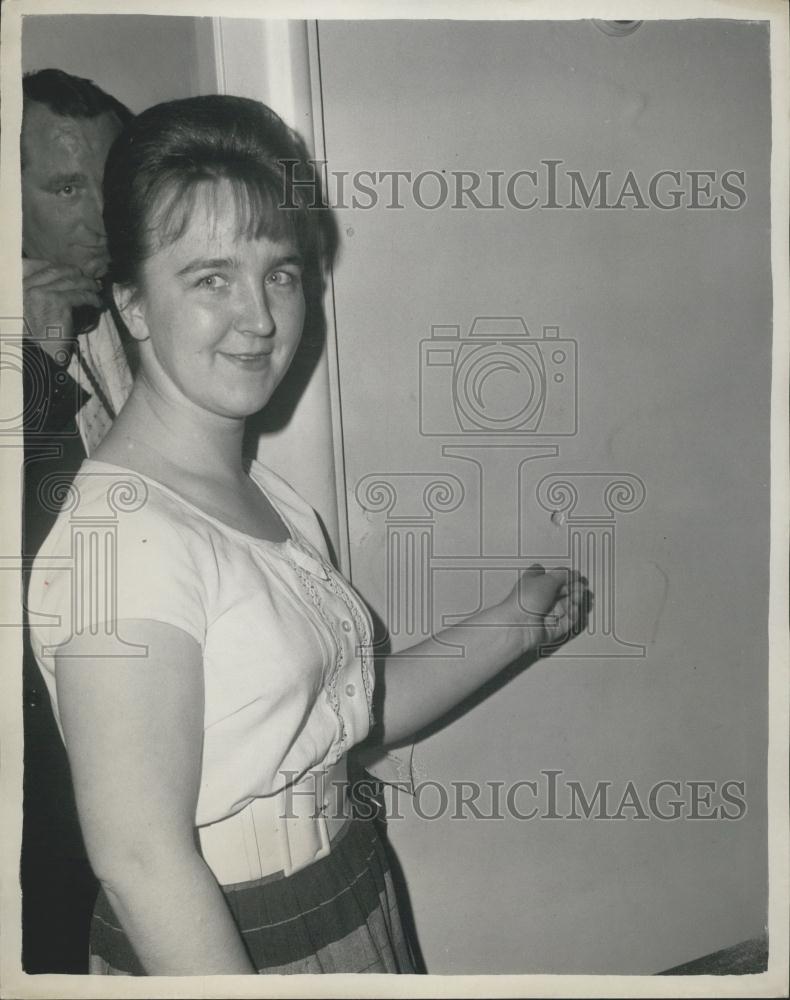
(322, 257)
(280, 409)
(281, 406)
(368, 790)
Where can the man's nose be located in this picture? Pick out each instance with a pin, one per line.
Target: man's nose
(253, 314)
(93, 216)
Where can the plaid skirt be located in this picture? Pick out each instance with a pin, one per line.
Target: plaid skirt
(337, 915)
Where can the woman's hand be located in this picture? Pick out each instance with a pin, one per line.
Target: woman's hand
(545, 608)
(548, 606)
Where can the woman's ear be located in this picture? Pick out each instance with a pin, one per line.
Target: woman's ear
(130, 308)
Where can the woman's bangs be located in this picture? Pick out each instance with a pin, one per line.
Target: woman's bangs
(260, 212)
(257, 206)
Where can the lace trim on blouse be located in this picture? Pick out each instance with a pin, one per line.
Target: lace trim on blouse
(363, 633)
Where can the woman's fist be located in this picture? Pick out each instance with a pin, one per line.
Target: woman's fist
(550, 606)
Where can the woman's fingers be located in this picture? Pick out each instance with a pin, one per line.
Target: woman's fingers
(581, 608)
(559, 598)
(576, 592)
(572, 606)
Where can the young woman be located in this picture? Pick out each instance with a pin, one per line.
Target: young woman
(208, 667)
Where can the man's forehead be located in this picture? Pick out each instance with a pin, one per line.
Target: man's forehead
(47, 136)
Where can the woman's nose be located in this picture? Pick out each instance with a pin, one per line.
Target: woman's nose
(253, 314)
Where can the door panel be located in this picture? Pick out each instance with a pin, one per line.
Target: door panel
(627, 423)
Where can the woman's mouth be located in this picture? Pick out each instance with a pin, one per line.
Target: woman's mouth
(254, 361)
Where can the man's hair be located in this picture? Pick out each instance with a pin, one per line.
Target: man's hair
(71, 96)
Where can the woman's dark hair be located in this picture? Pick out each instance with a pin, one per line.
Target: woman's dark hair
(171, 151)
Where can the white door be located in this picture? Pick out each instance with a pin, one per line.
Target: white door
(641, 382)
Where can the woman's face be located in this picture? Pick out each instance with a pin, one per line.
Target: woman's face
(220, 314)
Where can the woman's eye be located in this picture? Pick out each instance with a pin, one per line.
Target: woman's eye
(212, 281)
(283, 278)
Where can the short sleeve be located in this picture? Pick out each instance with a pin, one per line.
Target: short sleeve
(107, 562)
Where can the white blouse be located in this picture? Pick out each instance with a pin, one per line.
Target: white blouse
(286, 642)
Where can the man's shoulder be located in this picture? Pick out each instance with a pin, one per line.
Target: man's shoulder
(104, 344)
(103, 349)
(51, 396)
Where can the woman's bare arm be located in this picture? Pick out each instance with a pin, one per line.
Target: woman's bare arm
(420, 687)
(134, 734)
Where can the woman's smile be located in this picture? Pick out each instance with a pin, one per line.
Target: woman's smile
(255, 362)
(219, 313)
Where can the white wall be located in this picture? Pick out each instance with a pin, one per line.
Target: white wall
(672, 314)
(139, 59)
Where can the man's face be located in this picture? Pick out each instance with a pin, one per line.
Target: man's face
(62, 187)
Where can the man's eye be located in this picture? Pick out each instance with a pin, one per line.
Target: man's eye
(212, 281)
(67, 190)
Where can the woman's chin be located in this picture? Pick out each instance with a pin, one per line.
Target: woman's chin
(241, 407)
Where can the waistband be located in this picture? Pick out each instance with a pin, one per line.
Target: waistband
(284, 832)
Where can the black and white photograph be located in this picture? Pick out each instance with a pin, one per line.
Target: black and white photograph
(394, 442)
